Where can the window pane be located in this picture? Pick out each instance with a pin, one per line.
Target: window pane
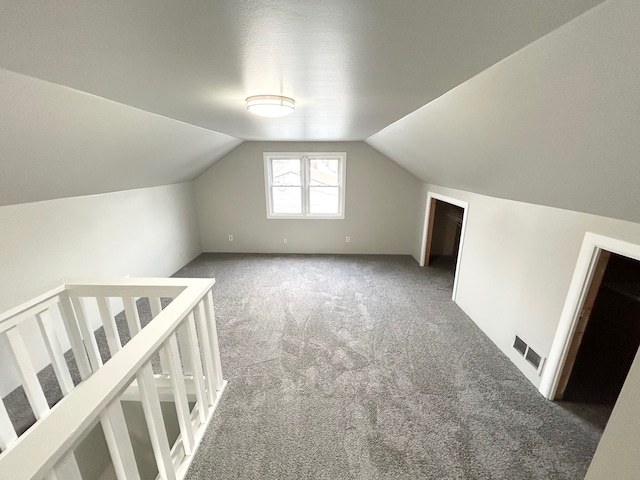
(287, 199)
(324, 200)
(324, 172)
(285, 171)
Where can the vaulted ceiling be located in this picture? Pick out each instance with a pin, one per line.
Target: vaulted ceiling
(353, 66)
(105, 96)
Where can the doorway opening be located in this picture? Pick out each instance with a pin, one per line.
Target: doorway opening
(610, 266)
(443, 236)
(607, 336)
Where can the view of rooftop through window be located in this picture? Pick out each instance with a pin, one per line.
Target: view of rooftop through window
(305, 185)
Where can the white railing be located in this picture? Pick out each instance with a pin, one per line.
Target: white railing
(184, 335)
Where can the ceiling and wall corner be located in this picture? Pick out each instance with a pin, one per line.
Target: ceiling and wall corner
(554, 124)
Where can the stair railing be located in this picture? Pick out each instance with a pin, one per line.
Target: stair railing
(183, 333)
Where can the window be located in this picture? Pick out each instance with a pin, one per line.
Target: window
(305, 185)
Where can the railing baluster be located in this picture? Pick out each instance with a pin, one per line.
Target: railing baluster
(133, 317)
(75, 337)
(198, 380)
(116, 434)
(213, 339)
(67, 468)
(185, 349)
(184, 336)
(52, 342)
(206, 352)
(156, 307)
(179, 393)
(88, 337)
(109, 324)
(155, 422)
(7, 432)
(30, 382)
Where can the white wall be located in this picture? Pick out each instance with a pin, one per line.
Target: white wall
(381, 216)
(145, 232)
(517, 263)
(617, 454)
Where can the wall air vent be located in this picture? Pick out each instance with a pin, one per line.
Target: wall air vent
(533, 358)
(520, 346)
(528, 353)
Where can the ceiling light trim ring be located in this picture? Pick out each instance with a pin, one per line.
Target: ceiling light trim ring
(271, 105)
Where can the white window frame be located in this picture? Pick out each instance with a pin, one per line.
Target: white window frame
(305, 158)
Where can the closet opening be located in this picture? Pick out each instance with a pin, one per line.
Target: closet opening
(607, 335)
(443, 236)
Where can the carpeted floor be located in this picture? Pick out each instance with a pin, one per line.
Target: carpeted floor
(361, 367)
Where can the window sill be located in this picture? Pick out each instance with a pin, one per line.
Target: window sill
(305, 217)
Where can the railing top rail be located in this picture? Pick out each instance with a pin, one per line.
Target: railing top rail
(71, 283)
(138, 287)
(33, 306)
(42, 446)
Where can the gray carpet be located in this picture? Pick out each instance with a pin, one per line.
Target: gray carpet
(361, 367)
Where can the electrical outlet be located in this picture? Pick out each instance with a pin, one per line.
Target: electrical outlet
(231, 238)
(347, 239)
(285, 241)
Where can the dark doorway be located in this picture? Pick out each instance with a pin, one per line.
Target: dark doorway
(611, 336)
(443, 238)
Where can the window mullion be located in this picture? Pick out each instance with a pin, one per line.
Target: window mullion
(305, 185)
(271, 185)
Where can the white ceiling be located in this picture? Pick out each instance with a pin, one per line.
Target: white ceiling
(353, 66)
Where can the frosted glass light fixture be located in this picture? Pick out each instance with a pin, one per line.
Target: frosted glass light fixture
(271, 105)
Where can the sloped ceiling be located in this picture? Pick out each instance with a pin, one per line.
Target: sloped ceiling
(167, 80)
(58, 142)
(557, 123)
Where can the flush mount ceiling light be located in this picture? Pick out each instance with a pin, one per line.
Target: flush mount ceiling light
(270, 105)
